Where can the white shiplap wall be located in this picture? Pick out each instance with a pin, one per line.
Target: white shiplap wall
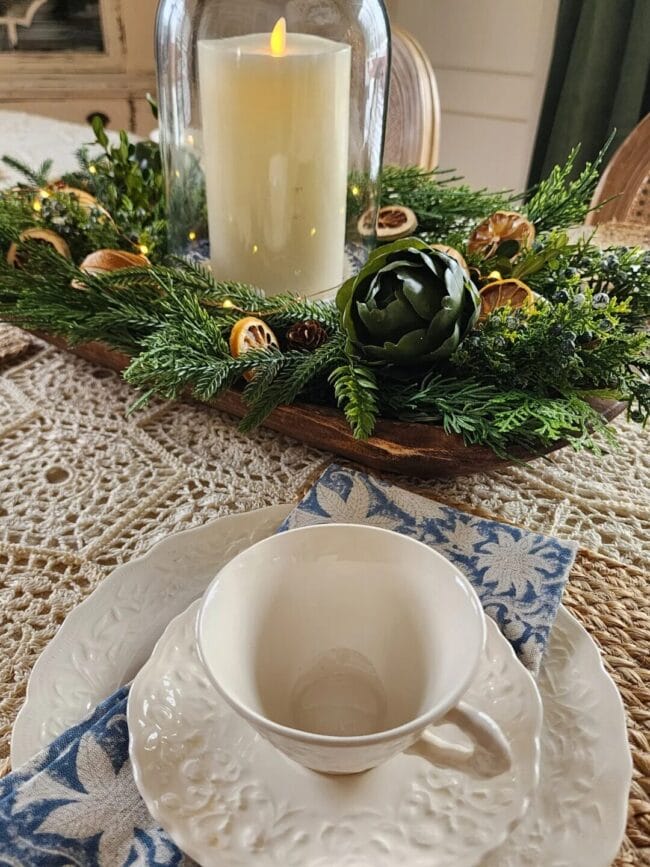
(491, 59)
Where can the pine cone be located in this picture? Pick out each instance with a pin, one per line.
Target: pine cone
(307, 335)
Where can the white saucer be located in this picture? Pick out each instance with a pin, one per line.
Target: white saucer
(578, 814)
(226, 796)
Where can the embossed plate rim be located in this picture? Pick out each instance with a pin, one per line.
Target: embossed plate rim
(617, 783)
(27, 735)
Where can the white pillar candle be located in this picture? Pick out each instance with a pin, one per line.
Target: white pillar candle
(275, 113)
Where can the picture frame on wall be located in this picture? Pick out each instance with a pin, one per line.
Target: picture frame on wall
(58, 33)
(50, 25)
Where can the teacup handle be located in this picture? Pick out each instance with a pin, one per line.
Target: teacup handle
(490, 756)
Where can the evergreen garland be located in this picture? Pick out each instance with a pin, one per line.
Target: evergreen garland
(520, 381)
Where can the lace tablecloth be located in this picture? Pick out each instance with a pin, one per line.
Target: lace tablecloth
(83, 488)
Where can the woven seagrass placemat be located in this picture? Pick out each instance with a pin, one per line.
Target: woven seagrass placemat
(612, 601)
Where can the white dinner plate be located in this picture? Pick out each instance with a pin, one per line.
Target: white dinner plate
(577, 816)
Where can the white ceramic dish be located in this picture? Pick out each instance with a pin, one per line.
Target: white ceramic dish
(578, 814)
(227, 797)
(293, 635)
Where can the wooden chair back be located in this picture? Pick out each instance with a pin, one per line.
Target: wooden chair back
(627, 178)
(413, 130)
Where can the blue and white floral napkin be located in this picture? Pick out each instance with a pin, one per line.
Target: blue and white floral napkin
(76, 803)
(518, 575)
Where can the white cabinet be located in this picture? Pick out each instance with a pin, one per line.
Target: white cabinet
(70, 59)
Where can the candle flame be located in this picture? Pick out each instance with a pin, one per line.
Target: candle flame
(279, 38)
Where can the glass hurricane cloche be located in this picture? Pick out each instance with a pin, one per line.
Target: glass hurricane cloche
(272, 121)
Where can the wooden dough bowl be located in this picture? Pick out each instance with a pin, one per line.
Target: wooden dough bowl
(421, 450)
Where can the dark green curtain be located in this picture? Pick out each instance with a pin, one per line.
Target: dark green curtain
(598, 80)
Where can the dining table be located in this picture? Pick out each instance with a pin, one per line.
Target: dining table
(86, 487)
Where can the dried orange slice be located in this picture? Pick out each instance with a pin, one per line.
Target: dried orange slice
(251, 333)
(18, 258)
(504, 293)
(502, 226)
(84, 199)
(103, 261)
(453, 253)
(393, 223)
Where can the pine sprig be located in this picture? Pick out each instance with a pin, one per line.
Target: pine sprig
(264, 371)
(559, 201)
(187, 352)
(118, 308)
(355, 390)
(159, 370)
(503, 419)
(297, 371)
(34, 177)
(229, 301)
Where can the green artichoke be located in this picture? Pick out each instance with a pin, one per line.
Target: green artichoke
(410, 306)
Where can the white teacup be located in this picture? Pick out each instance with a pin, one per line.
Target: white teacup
(343, 644)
